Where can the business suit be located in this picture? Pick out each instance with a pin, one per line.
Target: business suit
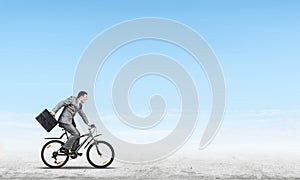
(71, 106)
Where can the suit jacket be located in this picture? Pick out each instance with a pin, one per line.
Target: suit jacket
(70, 109)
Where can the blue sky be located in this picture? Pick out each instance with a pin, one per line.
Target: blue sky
(256, 42)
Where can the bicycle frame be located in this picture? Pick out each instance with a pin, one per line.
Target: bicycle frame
(89, 136)
(54, 157)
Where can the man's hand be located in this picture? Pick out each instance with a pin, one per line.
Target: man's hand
(52, 113)
(91, 126)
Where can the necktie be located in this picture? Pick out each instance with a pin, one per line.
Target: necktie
(79, 106)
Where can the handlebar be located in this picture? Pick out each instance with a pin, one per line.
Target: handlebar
(92, 126)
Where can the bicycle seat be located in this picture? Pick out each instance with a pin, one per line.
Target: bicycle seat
(62, 128)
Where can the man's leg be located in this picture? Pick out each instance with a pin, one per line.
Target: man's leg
(75, 145)
(73, 137)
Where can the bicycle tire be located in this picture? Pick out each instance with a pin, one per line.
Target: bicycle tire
(43, 158)
(106, 163)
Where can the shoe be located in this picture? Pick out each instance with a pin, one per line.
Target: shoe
(64, 150)
(77, 153)
(73, 154)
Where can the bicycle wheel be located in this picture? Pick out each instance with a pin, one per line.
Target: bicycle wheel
(51, 156)
(100, 154)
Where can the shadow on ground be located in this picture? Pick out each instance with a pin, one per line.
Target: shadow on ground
(79, 167)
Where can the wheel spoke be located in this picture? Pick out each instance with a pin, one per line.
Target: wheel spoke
(100, 154)
(51, 156)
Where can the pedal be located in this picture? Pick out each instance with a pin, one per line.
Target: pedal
(79, 154)
(73, 155)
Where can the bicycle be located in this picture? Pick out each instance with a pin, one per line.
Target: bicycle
(100, 154)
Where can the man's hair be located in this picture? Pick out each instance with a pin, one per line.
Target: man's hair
(81, 93)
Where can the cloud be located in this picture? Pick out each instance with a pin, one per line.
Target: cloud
(21, 134)
(259, 130)
(18, 120)
(266, 130)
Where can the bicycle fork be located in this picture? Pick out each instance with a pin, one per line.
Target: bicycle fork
(95, 143)
(98, 151)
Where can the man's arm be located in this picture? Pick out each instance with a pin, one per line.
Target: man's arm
(61, 104)
(83, 116)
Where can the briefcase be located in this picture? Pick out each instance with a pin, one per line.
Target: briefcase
(46, 120)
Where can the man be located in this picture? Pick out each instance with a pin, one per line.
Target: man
(71, 105)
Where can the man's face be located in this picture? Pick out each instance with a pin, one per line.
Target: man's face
(83, 98)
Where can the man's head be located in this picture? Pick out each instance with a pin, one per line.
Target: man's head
(82, 96)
